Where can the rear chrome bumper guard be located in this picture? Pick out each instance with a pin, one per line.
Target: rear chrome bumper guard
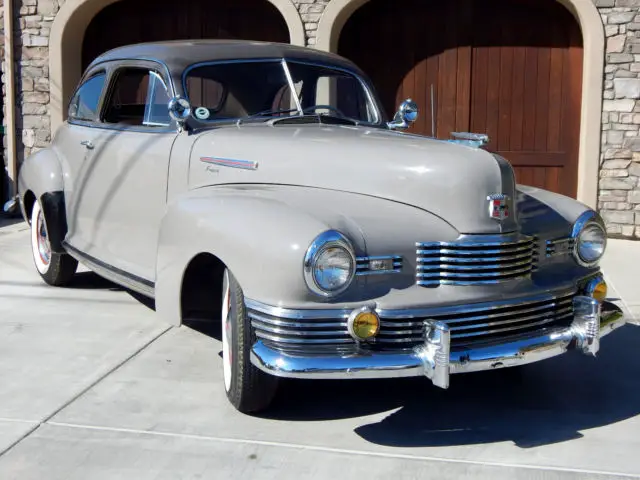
(435, 360)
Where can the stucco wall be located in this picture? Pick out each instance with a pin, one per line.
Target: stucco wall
(619, 184)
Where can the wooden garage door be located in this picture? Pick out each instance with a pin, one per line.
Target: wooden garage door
(134, 21)
(508, 68)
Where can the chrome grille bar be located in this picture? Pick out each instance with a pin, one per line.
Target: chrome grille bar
(475, 260)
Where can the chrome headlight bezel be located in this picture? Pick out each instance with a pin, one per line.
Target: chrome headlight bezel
(588, 220)
(328, 239)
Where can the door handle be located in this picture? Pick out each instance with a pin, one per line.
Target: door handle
(87, 144)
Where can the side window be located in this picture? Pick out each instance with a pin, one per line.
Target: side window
(138, 97)
(84, 104)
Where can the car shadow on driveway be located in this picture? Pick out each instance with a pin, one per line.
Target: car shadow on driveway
(537, 404)
(92, 281)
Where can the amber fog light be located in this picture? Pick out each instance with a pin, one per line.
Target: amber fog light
(363, 324)
(597, 289)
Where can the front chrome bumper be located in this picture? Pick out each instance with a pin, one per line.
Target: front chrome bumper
(437, 361)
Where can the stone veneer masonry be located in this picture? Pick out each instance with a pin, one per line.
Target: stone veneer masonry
(619, 183)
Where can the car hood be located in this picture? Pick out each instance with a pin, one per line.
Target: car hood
(449, 180)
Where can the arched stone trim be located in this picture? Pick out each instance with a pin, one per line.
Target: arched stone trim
(338, 12)
(65, 46)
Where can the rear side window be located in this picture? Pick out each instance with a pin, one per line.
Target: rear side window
(84, 104)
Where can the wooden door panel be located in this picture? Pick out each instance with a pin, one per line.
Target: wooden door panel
(508, 68)
(526, 89)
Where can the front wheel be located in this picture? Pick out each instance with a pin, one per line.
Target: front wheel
(55, 268)
(248, 388)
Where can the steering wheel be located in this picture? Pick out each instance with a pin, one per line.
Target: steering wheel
(328, 107)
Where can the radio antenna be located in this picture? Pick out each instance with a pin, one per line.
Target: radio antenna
(433, 115)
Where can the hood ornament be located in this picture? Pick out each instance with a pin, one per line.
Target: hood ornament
(475, 140)
(499, 206)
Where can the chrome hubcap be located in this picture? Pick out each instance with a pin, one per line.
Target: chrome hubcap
(44, 248)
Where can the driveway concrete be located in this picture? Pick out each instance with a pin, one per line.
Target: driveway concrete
(95, 386)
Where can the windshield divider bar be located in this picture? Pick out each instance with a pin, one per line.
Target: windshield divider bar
(292, 86)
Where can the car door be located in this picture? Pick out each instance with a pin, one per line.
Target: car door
(76, 142)
(129, 175)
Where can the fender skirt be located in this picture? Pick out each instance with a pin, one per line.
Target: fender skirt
(55, 215)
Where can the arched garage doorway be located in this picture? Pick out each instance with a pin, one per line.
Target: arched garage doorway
(508, 68)
(135, 21)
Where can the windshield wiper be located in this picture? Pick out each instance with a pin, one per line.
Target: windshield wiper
(264, 113)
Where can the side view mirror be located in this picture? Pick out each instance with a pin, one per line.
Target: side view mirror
(407, 114)
(179, 110)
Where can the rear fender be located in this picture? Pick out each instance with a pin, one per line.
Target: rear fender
(41, 174)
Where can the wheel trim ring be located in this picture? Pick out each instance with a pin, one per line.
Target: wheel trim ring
(44, 249)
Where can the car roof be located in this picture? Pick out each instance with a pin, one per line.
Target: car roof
(179, 54)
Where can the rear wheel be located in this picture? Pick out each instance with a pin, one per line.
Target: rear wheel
(248, 388)
(54, 268)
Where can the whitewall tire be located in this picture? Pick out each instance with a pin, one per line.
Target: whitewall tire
(249, 389)
(54, 268)
(227, 333)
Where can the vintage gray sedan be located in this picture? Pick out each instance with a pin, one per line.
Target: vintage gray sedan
(260, 186)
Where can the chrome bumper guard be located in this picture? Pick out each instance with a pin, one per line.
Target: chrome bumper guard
(437, 361)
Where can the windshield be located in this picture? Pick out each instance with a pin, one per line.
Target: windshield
(267, 89)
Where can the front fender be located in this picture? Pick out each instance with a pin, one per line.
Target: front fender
(262, 232)
(230, 224)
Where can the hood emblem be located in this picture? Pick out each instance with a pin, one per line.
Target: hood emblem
(499, 206)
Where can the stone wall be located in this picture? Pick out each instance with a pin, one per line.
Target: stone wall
(31, 33)
(619, 193)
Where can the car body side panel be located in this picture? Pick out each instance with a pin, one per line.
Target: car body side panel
(78, 162)
(127, 200)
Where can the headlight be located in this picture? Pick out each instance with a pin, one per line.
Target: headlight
(590, 239)
(329, 264)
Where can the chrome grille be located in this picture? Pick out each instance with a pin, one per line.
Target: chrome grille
(499, 259)
(405, 329)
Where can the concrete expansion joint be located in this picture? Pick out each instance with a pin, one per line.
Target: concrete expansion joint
(101, 377)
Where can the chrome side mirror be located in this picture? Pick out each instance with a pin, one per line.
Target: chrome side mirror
(407, 114)
(179, 110)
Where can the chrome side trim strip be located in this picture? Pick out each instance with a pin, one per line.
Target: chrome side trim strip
(231, 162)
(127, 280)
